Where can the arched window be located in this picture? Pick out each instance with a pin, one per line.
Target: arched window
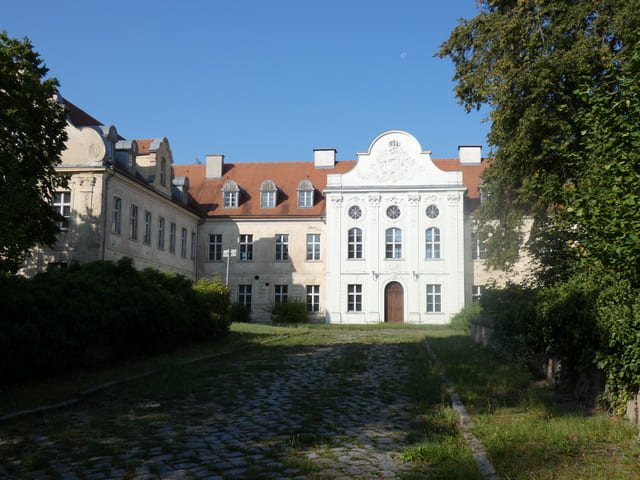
(432, 243)
(393, 243)
(268, 192)
(230, 194)
(354, 244)
(305, 194)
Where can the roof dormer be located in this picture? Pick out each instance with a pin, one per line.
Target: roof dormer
(268, 194)
(306, 193)
(230, 194)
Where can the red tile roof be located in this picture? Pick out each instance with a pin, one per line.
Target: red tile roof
(286, 175)
(143, 145)
(79, 117)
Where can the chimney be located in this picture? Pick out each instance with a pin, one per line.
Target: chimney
(470, 154)
(214, 166)
(324, 157)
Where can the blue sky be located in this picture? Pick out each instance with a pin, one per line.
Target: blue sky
(256, 80)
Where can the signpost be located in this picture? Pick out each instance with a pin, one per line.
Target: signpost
(228, 253)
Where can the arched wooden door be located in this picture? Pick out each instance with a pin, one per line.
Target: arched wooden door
(394, 303)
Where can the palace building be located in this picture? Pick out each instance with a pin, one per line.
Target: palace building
(387, 237)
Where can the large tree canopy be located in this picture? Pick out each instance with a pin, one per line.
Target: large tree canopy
(32, 136)
(529, 62)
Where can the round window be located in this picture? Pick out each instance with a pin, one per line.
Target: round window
(355, 212)
(393, 212)
(432, 211)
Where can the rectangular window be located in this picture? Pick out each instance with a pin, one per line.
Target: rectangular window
(172, 238)
(393, 243)
(246, 248)
(354, 298)
(215, 247)
(354, 244)
(305, 198)
(133, 222)
(244, 295)
(62, 206)
(282, 293)
(147, 228)
(267, 199)
(193, 245)
(313, 298)
(230, 199)
(313, 246)
(476, 292)
(282, 247)
(434, 299)
(161, 233)
(432, 241)
(117, 215)
(183, 243)
(478, 251)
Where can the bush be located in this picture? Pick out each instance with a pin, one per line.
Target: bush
(240, 313)
(462, 320)
(291, 311)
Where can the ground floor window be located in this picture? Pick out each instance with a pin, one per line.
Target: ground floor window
(354, 298)
(476, 292)
(244, 295)
(434, 299)
(282, 293)
(313, 298)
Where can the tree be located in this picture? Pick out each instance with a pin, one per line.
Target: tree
(32, 136)
(526, 61)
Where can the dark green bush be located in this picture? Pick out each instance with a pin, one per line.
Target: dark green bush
(291, 311)
(240, 313)
(92, 314)
(462, 320)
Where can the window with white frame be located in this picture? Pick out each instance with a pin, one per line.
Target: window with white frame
(313, 246)
(268, 191)
(476, 292)
(246, 248)
(432, 243)
(172, 238)
(193, 245)
(244, 295)
(478, 251)
(146, 239)
(393, 243)
(161, 233)
(281, 293)
(354, 298)
(305, 193)
(313, 298)
(215, 247)
(133, 222)
(354, 244)
(183, 243)
(434, 299)
(282, 247)
(230, 194)
(116, 217)
(62, 206)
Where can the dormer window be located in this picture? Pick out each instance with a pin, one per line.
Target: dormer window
(230, 194)
(163, 172)
(268, 191)
(305, 194)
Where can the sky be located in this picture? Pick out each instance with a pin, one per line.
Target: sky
(256, 80)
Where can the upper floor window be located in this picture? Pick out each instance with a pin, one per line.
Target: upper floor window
(133, 222)
(161, 233)
(268, 191)
(147, 228)
(354, 244)
(215, 247)
(246, 248)
(305, 194)
(116, 216)
(62, 206)
(393, 243)
(183, 243)
(313, 246)
(230, 194)
(282, 246)
(476, 292)
(478, 249)
(432, 242)
(172, 238)
(393, 212)
(193, 245)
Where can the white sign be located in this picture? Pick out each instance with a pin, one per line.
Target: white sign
(229, 252)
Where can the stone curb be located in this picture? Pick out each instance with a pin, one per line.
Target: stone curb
(103, 386)
(466, 424)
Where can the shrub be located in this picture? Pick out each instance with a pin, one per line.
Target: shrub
(240, 313)
(291, 311)
(462, 320)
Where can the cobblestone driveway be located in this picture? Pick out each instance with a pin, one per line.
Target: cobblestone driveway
(330, 410)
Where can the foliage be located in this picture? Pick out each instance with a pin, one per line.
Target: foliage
(462, 319)
(217, 296)
(240, 313)
(32, 136)
(291, 311)
(525, 62)
(89, 315)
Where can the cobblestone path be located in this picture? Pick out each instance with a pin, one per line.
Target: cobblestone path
(333, 410)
